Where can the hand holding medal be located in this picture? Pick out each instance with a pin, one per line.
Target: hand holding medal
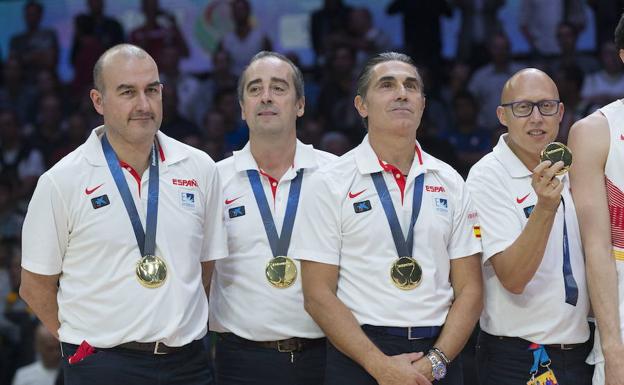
(555, 152)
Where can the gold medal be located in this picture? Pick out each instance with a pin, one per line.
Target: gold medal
(281, 272)
(151, 271)
(555, 152)
(406, 273)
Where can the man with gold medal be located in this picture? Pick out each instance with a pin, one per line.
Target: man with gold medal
(123, 289)
(534, 324)
(256, 304)
(390, 264)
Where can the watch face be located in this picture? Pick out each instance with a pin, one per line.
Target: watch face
(439, 371)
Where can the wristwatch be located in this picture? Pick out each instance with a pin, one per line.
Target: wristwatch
(438, 368)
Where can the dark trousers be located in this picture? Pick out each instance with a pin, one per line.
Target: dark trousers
(343, 370)
(239, 363)
(190, 366)
(508, 360)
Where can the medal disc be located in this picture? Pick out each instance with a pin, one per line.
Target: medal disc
(281, 272)
(406, 273)
(151, 271)
(555, 152)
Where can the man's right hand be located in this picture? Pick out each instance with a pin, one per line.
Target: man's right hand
(546, 185)
(398, 370)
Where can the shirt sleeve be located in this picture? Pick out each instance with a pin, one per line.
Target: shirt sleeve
(45, 233)
(464, 241)
(215, 237)
(317, 232)
(497, 217)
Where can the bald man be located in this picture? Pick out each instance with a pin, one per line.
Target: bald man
(536, 300)
(122, 290)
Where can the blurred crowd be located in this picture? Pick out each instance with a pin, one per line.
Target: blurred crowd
(43, 119)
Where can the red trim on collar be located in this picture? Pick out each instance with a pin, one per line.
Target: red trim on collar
(160, 151)
(397, 175)
(419, 154)
(272, 182)
(132, 172)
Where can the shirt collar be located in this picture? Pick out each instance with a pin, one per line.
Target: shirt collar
(367, 161)
(304, 158)
(170, 151)
(509, 160)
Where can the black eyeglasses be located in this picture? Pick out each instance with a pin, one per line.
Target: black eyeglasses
(524, 108)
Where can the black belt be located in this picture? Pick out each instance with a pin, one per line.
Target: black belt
(411, 333)
(525, 343)
(288, 345)
(147, 347)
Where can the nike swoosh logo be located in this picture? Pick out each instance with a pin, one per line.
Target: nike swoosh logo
(229, 201)
(520, 200)
(352, 195)
(621, 137)
(90, 191)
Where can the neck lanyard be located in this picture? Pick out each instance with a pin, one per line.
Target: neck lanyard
(571, 288)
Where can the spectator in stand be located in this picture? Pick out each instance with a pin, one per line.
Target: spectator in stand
(11, 220)
(245, 40)
(606, 15)
(364, 37)
(606, 85)
(569, 80)
(15, 93)
(332, 18)
(335, 143)
(220, 78)
(159, 30)
(49, 132)
(539, 21)
(45, 369)
(76, 133)
(471, 142)
(36, 48)
(94, 33)
(487, 82)
(236, 132)
(479, 20)
(422, 34)
(189, 89)
(20, 162)
(335, 104)
(567, 37)
(174, 124)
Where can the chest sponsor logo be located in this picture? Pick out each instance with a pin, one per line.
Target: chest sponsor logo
(185, 182)
(528, 210)
(90, 191)
(187, 199)
(99, 202)
(441, 204)
(361, 207)
(519, 200)
(434, 189)
(236, 212)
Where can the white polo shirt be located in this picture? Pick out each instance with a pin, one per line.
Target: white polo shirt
(242, 301)
(362, 244)
(500, 186)
(77, 225)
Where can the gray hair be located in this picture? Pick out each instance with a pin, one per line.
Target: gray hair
(297, 75)
(363, 81)
(125, 49)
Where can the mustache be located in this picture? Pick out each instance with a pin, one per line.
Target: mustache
(266, 109)
(142, 116)
(403, 106)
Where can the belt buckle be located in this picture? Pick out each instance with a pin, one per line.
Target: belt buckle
(156, 345)
(409, 334)
(286, 348)
(566, 346)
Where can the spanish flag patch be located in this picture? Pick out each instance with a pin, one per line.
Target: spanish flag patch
(477, 231)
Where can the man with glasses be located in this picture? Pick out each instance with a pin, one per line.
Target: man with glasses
(598, 181)
(536, 302)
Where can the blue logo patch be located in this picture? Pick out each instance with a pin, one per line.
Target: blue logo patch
(361, 207)
(188, 199)
(528, 210)
(100, 201)
(236, 212)
(441, 204)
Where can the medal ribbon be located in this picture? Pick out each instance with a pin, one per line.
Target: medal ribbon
(571, 288)
(145, 240)
(279, 244)
(404, 246)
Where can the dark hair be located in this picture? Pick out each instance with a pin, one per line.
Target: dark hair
(619, 33)
(297, 75)
(35, 4)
